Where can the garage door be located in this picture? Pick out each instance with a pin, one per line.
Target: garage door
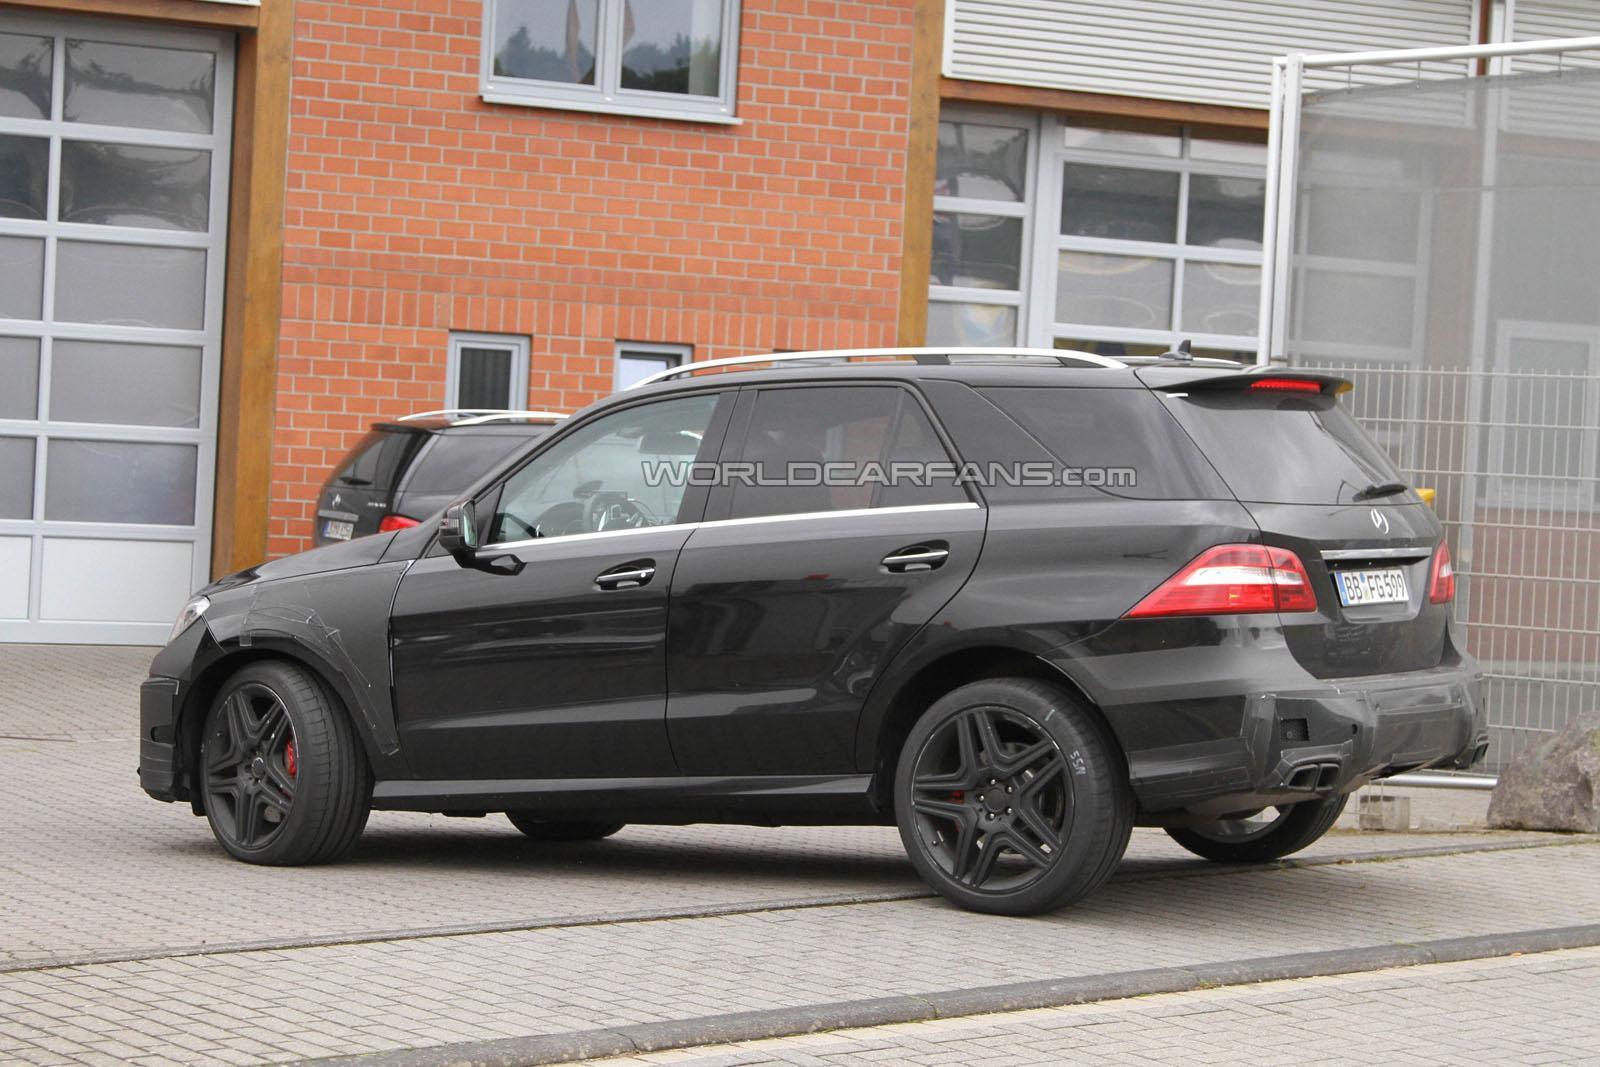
(113, 212)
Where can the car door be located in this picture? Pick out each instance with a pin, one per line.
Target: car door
(548, 659)
(809, 575)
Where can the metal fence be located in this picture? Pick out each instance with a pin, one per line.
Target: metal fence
(1512, 456)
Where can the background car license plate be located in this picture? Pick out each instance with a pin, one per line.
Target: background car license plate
(338, 531)
(1386, 586)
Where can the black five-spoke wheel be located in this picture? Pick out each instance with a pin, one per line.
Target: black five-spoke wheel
(281, 773)
(251, 764)
(1011, 798)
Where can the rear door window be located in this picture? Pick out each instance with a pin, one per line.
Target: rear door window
(1118, 441)
(1284, 448)
(819, 449)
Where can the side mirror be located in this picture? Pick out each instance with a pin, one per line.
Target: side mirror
(458, 532)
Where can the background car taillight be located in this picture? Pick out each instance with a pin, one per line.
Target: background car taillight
(392, 523)
(1441, 577)
(1232, 580)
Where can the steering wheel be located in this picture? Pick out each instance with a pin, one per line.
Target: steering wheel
(567, 517)
(613, 510)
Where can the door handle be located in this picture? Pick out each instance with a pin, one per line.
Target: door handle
(628, 575)
(916, 558)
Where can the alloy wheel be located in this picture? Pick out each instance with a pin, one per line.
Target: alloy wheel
(992, 798)
(251, 764)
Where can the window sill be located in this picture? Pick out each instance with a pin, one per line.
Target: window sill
(610, 107)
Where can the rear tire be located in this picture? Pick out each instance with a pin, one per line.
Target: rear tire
(283, 774)
(1012, 798)
(1234, 841)
(554, 830)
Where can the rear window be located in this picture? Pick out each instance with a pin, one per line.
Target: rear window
(1120, 432)
(378, 459)
(1286, 449)
(456, 460)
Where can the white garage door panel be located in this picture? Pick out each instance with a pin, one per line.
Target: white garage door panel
(114, 581)
(14, 553)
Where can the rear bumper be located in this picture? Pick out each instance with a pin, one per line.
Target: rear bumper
(1320, 740)
(158, 740)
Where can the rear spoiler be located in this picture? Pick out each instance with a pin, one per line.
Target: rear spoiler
(1264, 379)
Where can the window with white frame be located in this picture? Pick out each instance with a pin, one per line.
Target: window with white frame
(637, 360)
(487, 372)
(663, 58)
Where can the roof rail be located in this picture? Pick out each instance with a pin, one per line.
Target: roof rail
(473, 416)
(505, 416)
(936, 356)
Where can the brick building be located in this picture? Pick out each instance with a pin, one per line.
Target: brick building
(233, 233)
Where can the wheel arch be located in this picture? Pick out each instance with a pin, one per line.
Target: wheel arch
(912, 696)
(202, 691)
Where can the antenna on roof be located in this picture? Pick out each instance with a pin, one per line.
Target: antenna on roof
(1183, 351)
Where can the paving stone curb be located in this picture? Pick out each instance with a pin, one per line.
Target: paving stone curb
(1019, 996)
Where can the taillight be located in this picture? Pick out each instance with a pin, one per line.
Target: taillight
(1441, 577)
(391, 523)
(1286, 385)
(1232, 580)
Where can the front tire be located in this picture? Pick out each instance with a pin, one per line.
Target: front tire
(1011, 798)
(574, 830)
(283, 775)
(1269, 835)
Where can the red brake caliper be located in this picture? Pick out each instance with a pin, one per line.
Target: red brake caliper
(290, 763)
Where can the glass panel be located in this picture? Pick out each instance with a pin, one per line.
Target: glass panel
(1226, 212)
(1119, 202)
(131, 185)
(378, 458)
(24, 176)
(19, 370)
(1169, 146)
(795, 432)
(21, 278)
(136, 385)
(130, 285)
(1355, 309)
(545, 40)
(612, 473)
(25, 76)
(119, 481)
(134, 85)
(980, 251)
(1130, 291)
(1245, 152)
(16, 477)
(632, 368)
(971, 325)
(1221, 298)
(483, 378)
(983, 162)
(672, 46)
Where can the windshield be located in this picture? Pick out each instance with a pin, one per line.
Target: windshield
(1287, 449)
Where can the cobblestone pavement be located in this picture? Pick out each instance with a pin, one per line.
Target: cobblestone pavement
(125, 934)
(1522, 1010)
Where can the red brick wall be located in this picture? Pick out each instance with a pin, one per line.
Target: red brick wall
(415, 209)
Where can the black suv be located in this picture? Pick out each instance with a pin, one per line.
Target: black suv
(1015, 602)
(403, 471)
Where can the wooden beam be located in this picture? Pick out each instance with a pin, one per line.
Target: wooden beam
(186, 12)
(254, 292)
(922, 159)
(1103, 105)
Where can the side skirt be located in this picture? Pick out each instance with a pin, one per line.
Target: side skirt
(766, 800)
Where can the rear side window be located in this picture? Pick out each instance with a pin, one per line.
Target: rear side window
(1118, 440)
(456, 460)
(1287, 449)
(378, 459)
(840, 449)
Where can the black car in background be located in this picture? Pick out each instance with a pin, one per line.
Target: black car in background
(404, 471)
(1008, 649)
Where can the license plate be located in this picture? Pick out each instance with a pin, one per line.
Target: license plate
(1358, 588)
(335, 530)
